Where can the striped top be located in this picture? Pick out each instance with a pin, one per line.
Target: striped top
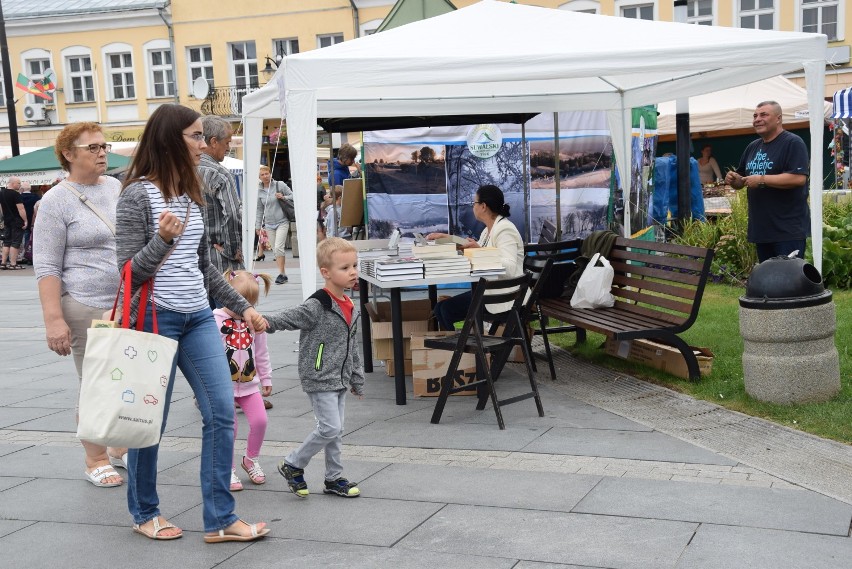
(179, 284)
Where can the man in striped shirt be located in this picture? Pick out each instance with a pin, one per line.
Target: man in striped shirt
(223, 211)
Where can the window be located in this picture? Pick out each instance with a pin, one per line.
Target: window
(162, 73)
(757, 14)
(82, 81)
(329, 39)
(638, 12)
(244, 61)
(700, 12)
(121, 80)
(35, 72)
(584, 6)
(201, 64)
(286, 47)
(821, 17)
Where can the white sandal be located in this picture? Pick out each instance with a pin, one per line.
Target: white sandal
(98, 475)
(236, 484)
(119, 461)
(222, 535)
(255, 473)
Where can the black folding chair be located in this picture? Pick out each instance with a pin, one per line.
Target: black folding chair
(550, 285)
(472, 340)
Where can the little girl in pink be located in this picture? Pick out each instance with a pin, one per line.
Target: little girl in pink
(248, 359)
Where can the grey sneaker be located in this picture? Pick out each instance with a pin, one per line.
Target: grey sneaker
(281, 279)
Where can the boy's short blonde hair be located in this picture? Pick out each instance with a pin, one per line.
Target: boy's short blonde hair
(331, 245)
(263, 168)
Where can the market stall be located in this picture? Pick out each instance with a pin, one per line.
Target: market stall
(556, 60)
(841, 147)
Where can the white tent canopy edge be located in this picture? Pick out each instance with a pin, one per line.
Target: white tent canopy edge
(731, 109)
(604, 63)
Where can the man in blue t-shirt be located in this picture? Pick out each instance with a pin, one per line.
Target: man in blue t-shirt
(774, 169)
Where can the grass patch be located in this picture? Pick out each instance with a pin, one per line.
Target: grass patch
(717, 328)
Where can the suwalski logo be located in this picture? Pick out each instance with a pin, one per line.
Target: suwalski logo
(484, 140)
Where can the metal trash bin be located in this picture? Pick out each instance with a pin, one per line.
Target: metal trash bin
(787, 322)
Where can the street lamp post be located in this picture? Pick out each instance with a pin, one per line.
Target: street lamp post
(272, 65)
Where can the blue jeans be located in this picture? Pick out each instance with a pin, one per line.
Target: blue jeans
(779, 248)
(201, 358)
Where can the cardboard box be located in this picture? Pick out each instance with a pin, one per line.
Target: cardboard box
(517, 353)
(430, 366)
(660, 356)
(391, 369)
(415, 319)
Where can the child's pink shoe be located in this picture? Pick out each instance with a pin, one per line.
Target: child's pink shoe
(252, 467)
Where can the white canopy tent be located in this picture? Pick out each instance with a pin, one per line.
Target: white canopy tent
(731, 109)
(495, 57)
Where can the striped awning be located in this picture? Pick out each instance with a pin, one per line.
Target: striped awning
(843, 104)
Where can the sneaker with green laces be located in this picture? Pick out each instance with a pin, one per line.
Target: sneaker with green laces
(295, 479)
(341, 487)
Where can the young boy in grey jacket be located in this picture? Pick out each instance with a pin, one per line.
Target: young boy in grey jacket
(329, 365)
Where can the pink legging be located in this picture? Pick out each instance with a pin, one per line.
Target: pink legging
(255, 412)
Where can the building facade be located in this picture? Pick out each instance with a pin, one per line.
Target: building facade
(115, 61)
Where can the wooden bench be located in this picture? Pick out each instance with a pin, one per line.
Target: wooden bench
(657, 289)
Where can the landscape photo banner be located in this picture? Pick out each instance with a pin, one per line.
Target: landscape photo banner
(437, 165)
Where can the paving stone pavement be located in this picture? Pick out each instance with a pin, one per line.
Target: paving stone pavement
(618, 474)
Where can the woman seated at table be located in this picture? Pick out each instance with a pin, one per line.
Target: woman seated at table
(490, 208)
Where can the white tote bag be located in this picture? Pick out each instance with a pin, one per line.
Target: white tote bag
(125, 377)
(593, 288)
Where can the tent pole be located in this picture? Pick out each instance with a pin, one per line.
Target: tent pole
(557, 176)
(525, 158)
(331, 183)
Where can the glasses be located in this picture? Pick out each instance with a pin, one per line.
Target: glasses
(95, 148)
(474, 203)
(196, 136)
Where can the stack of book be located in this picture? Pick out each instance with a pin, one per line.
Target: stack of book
(485, 262)
(447, 267)
(376, 252)
(434, 251)
(397, 269)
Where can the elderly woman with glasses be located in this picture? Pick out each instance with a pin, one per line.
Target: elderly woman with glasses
(74, 259)
(161, 232)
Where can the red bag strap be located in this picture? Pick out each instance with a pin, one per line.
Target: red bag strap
(145, 292)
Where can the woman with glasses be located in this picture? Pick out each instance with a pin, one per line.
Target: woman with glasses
(490, 208)
(161, 231)
(74, 260)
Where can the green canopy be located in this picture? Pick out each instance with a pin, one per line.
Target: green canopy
(42, 167)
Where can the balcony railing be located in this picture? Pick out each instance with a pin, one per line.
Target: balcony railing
(226, 101)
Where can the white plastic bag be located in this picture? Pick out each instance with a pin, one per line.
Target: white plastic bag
(593, 288)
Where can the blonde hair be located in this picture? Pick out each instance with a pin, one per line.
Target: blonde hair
(337, 191)
(264, 168)
(331, 245)
(247, 284)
